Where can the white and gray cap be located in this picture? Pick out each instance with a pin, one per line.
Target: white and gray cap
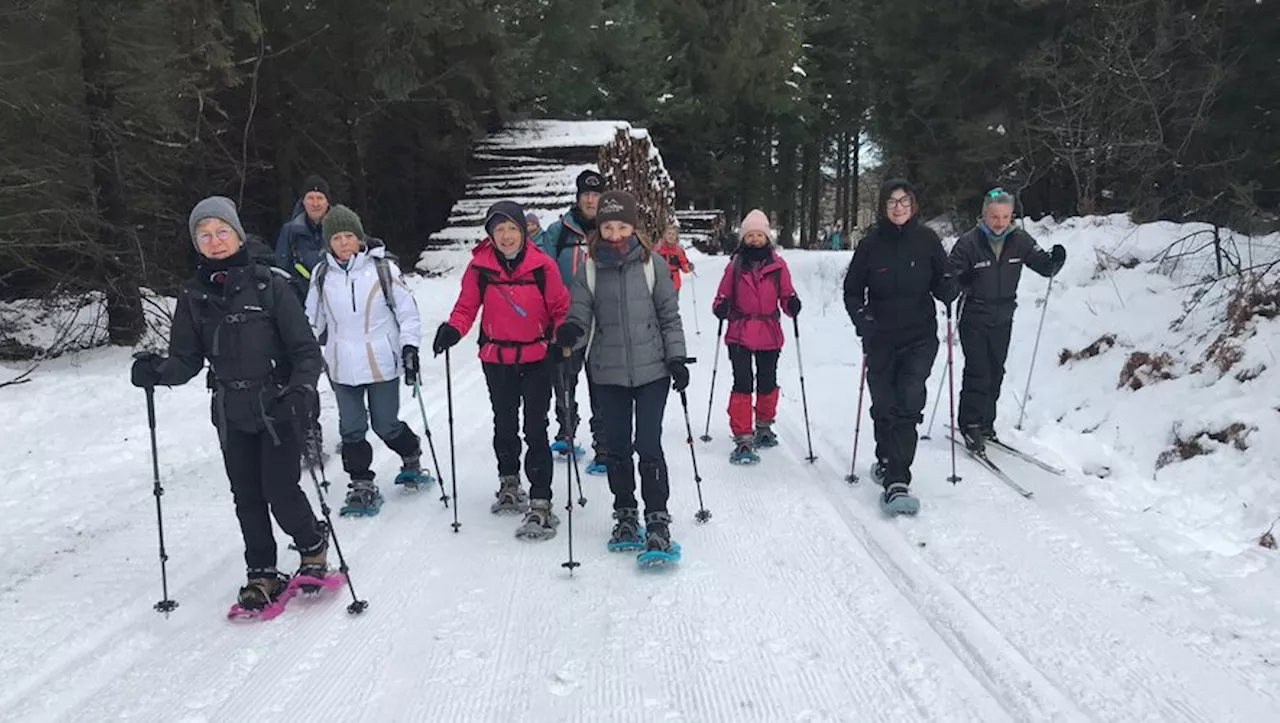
(219, 207)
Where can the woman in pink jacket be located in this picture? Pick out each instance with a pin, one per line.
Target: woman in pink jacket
(756, 285)
(517, 291)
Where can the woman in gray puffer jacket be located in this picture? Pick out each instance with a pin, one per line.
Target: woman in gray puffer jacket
(636, 353)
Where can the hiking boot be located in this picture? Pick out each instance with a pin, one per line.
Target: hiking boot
(511, 496)
(314, 561)
(363, 499)
(744, 452)
(878, 471)
(627, 533)
(657, 532)
(974, 439)
(764, 438)
(264, 587)
(540, 522)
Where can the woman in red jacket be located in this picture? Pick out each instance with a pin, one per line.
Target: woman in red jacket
(755, 285)
(517, 291)
(673, 253)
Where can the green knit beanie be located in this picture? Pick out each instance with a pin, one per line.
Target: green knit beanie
(340, 219)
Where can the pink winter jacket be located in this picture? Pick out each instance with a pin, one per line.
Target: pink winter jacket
(756, 295)
(517, 320)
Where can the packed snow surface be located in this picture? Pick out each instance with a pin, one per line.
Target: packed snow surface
(1125, 590)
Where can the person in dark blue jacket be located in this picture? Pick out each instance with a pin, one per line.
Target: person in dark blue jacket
(300, 245)
(898, 269)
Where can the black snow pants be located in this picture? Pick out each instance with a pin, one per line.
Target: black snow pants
(897, 373)
(511, 388)
(985, 349)
(264, 478)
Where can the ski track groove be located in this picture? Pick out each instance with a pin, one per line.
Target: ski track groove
(1108, 673)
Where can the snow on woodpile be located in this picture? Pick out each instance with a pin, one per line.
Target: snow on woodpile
(536, 164)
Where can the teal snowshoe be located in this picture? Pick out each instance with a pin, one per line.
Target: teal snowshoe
(897, 500)
(363, 500)
(659, 549)
(743, 453)
(765, 438)
(598, 466)
(628, 533)
(561, 447)
(412, 477)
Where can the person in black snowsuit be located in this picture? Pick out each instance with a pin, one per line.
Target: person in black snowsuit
(897, 271)
(264, 362)
(988, 263)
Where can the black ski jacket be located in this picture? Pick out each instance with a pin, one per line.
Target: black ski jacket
(990, 285)
(896, 273)
(252, 329)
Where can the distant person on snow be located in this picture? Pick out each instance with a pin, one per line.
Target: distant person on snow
(755, 286)
(370, 323)
(988, 263)
(627, 312)
(897, 271)
(673, 253)
(533, 227)
(566, 242)
(264, 363)
(300, 246)
(516, 290)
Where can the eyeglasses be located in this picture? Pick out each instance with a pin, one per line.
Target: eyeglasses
(223, 234)
(903, 202)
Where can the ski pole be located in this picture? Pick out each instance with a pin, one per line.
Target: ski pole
(1025, 398)
(703, 514)
(357, 605)
(431, 445)
(453, 459)
(567, 395)
(569, 391)
(803, 398)
(852, 477)
(715, 367)
(693, 289)
(937, 399)
(951, 383)
(166, 605)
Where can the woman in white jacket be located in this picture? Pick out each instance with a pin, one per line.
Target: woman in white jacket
(372, 339)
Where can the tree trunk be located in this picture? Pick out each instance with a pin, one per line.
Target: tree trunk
(851, 222)
(120, 259)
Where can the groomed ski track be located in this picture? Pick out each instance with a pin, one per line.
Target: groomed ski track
(798, 601)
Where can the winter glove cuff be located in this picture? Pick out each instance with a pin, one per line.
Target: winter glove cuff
(568, 335)
(721, 309)
(446, 336)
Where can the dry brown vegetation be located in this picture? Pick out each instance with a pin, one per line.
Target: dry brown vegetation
(1143, 369)
(1185, 448)
(1103, 343)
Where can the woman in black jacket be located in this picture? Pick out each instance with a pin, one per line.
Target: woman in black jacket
(898, 269)
(263, 366)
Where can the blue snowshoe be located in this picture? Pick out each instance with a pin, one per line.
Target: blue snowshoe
(561, 448)
(412, 477)
(765, 438)
(659, 549)
(598, 466)
(897, 500)
(743, 453)
(363, 500)
(628, 533)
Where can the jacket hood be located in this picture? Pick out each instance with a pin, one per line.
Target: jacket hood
(887, 188)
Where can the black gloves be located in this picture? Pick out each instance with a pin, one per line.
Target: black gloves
(146, 370)
(411, 368)
(1059, 257)
(679, 374)
(446, 336)
(864, 322)
(568, 335)
(721, 309)
(296, 402)
(791, 305)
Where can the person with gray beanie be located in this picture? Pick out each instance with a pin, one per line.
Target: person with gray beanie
(245, 320)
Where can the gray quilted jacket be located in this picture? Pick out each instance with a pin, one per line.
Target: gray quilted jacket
(636, 333)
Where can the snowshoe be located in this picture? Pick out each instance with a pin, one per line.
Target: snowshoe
(659, 549)
(363, 500)
(743, 453)
(540, 522)
(598, 466)
(878, 472)
(897, 500)
(765, 438)
(411, 475)
(512, 499)
(628, 534)
(263, 596)
(561, 448)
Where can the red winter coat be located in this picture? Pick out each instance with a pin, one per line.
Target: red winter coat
(518, 320)
(676, 260)
(756, 294)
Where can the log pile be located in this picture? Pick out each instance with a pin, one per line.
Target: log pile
(630, 164)
(702, 228)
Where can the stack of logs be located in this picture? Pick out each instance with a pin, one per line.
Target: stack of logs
(626, 165)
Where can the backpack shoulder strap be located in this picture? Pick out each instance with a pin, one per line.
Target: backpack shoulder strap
(540, 278)
(383, 267)
(266, 297)
(589, 268)
(650, 273)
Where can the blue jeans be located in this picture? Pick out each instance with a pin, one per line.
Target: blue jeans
(618, 407)
(384, 411)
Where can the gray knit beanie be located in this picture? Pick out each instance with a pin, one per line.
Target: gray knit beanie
(219, 207)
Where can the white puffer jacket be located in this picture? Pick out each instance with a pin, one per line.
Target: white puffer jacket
(365, 338)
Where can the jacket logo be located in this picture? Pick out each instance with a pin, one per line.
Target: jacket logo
(982, 264)
(1015, 260)
(250, 307)
(611, 206)
(882, 269)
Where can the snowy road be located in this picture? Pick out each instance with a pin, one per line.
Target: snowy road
(796, 602)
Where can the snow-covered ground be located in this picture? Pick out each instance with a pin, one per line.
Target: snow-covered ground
(1119, 592)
